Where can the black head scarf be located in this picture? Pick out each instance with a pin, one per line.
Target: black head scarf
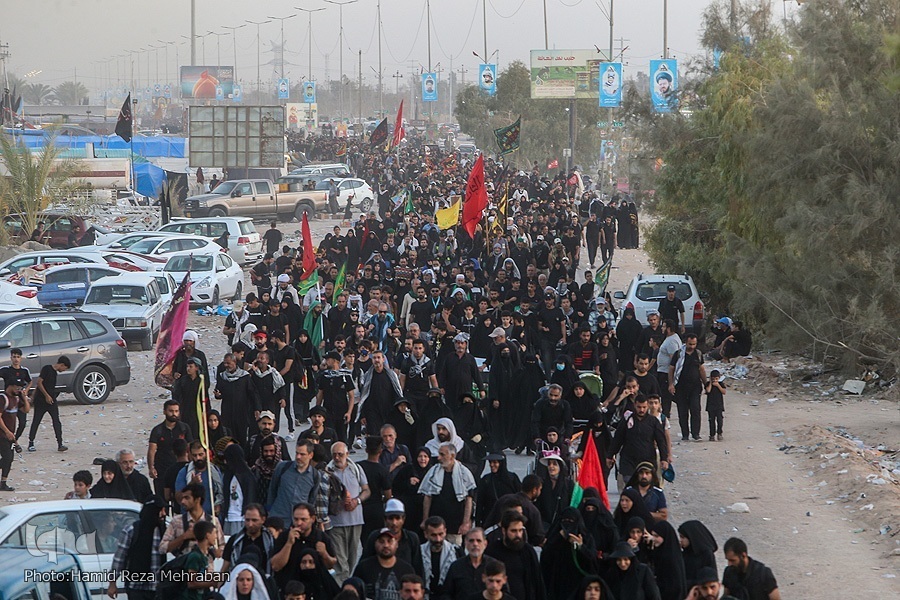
(605, 593)
(142, 545)
(599, 522)
(639, 509)
(667, 562)
(118, 488)
(236, 467)
(319, 584)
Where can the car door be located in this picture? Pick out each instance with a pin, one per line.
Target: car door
(101, 529)
(49, 533)
(265, 199)
(243, 205)
(225, 276)
(59, 336)
(156, 305)
(23, 334)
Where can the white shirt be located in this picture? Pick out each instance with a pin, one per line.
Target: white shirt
(235, 507)
(670, 346)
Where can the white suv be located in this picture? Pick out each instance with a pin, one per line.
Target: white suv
(244, 242)
(645, 291)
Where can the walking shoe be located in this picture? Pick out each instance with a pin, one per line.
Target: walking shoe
(4, 487)
(62, 448)
(697, 439)
(684, 439)
(17, 448)
(712, 438)
(31, 448)
(289, 437)
(720, 437)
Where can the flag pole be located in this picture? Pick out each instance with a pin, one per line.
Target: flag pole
(209, 466)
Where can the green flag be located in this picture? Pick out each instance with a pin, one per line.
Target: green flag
(304, 285)
(601, 279)
(340, 281)
(408, 206)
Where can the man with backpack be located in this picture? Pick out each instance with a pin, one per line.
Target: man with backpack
(180, 532)
(347, 516)
(298, 481)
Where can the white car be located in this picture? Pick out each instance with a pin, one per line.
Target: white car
(214, 276)
(87, 528)
(244, 242)
(645, 291)
(16, 297)
(15, 264)
(172, 244)
(362, 192)
(130, 261)
(133, 304)
(124, 241)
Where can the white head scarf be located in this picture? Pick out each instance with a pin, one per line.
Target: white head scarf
(229, 590)
(191, 335)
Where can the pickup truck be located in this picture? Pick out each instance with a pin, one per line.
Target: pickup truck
(256, 198)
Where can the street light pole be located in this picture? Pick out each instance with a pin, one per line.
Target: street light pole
(234, 44)
(484, 22)
(380, 70)
(258, 59)
(665, 28)
(340, 6)
(309, 11)
(193, 33)
(397, 77)
(282, 19)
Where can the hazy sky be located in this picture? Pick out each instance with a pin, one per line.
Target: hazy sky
(57, 37)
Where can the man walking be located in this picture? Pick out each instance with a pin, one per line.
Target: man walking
(298, 481)
(9, 402)
(138, 552)
(45, 402)
(522, 566)
(437, 556)
(687, 379)
(464, 577)
(745, 577)
(160, 450)
(348, 521)
(449, 490)
(273, 238)
(383, 572)
(637, 439)
(667, 349)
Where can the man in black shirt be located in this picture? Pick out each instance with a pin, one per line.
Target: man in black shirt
(260, 275)
(671, 307)
(327, 435)
(273, 238)
(552, 326)
(687, 378)
(382, 573)
(253, 534)
(304, 533)
(336, 391)
(417, 374)
(420, 311)
(277, 321)
(160, 451)
(15, 371)
(745, 577)
(522, 566)
(45, 402)
(283, 263)
(607, 239)
(464, 576)
(592, 237)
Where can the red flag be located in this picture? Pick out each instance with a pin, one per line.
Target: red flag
(591, 473)
(553, 164)
(399, 134)
(309, 255)
(476, 199)
(171, 332)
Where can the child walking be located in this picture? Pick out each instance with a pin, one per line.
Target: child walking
(715, 405)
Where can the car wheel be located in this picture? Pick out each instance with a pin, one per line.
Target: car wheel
(365, 205)
(147, 341)
(238, 292)
(93, 385)
(303, 209)
(215, 298)
(217, 212)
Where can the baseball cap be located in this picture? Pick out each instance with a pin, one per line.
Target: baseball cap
(18, 381)
(237, 305)
(670, 288)
(497, 332)
(394, 507)
(260, 334)
(724, 321)
(333, 355)
(540, 237)
(266, 413)
(318, 410)
(557, 241)
(645, 466)
(284, 278)
(384, 531)
(192, 359)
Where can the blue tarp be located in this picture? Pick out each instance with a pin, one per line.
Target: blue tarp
(150, 179)
(146, 146)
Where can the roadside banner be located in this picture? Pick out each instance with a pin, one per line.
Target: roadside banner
(663, 84)
(611, 85)
(487, 78)
(309, 92)
(429, 87)
(284, 88)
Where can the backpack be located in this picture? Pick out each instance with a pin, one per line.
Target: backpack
(170, 583)
(337, 492)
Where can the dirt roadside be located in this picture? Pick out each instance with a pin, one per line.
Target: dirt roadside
(813, 535)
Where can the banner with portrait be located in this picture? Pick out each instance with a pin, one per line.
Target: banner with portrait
(309, 92)
(487, 78)
(611, 85)
(663, 84)
(429, 87)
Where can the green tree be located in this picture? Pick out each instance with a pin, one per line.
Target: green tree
(36, 93)
(31, 181)
(70, 93)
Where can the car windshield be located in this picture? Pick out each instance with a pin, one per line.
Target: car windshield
(117, 294)
(656, 290)
(145, 246)
(224, 188)
(183, 264)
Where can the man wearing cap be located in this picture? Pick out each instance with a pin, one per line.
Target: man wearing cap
(186, 390)
(265, 425)
(408, 543)
(707, 587)
(541, 252)
(9, 401)
(336, 394)
(645, 481)
(327, 436)
(671, 307)
(260, 346)
(187, 351)
(499, 346)
(459, 373)
(382, 573)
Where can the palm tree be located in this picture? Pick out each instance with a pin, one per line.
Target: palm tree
(32, 180)
(37, 93)
(70, 93)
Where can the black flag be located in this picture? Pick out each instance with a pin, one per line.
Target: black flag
(380, 134)
(124, 128)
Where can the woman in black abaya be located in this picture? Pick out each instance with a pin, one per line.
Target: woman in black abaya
(698, 548)
(568, 554)
(668, 566)
(112, 483)
(527, 387)
(631, 504)
(628, 331)
(502, 403)
(599, 522)
(497, 482)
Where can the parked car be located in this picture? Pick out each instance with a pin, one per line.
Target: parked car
(67, 285)
(338, 170)
(98, 354)
(363, 195)
(645, 291)
(171, 244)
(213, 276)
(244, 242)
(57, 228)
(61, 536)
(132, 303)
(14, 296)
(15, 264)
(131, 261)
(124, 241)
(254, 198)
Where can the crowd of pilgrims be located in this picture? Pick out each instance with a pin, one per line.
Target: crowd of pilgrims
(402, 392)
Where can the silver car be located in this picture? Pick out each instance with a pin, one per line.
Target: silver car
(98, 354)
(133, 303)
